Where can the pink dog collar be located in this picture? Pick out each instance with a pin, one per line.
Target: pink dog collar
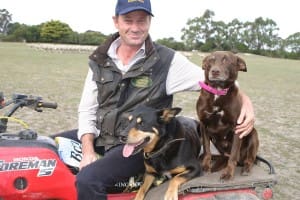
(213, 90)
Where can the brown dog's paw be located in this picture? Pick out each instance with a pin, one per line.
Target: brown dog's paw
(248, 164)
(227, 174)
(206, 164)
(206, 168)
(245, 171)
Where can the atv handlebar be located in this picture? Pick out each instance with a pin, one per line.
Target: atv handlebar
(47, 105)
(21, 100)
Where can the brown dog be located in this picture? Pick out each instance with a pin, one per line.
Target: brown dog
(218, 109)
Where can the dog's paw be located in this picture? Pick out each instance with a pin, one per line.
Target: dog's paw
(139, 196)
(206, 168)
(227, 174)
(172, 192)
(206, 164)
(245, 171)
(226, 177)
(171, 195)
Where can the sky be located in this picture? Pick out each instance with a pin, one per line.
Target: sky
(170, 16)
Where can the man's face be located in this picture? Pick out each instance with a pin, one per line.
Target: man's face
(133, 27)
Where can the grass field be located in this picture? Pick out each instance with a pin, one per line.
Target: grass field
(272, 84)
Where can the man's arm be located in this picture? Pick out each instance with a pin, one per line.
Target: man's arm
(87, 130)
(247, 118)
(183, 75)
(88, 151)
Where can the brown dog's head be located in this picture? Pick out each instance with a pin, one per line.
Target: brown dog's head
(222, 66)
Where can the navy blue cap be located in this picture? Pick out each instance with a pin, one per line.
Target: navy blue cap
(125, 6)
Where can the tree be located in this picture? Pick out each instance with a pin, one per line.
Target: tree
(198, 30)
(91, 38)
(19, 33)
(22, 32)
(292, 43)
(171, 43)
(5, 19)
(56, 31)
(260, 34)
(33, 33)
(234, 40)
(219, 35)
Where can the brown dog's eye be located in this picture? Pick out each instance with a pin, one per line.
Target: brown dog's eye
(130, 117)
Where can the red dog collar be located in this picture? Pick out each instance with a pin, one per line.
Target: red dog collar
(213, 90)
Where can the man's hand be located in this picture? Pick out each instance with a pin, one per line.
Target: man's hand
(87, 159)
(246, 119)
(88, 153)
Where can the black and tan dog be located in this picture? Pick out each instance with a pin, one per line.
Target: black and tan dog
(218, 108)
(171, 146)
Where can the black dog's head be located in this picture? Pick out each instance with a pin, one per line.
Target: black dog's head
(222, 66)
(146, 127)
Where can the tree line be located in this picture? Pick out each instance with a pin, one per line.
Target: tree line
(200, 33)
(53, 31)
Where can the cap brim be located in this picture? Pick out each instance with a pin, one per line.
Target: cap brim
(128, 10)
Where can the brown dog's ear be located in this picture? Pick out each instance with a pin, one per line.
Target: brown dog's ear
(241, 64)
(205, 62)
(165, 115)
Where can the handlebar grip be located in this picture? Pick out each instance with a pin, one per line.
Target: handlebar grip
(47, 105)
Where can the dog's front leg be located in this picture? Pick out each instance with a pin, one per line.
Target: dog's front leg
(206, 162)
(233, 158)
(172, 192)
(249, 152)
(148, 180)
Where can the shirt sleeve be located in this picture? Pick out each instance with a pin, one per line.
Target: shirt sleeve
(183, 75)
(88, 108)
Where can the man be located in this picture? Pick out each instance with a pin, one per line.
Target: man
(127, 70)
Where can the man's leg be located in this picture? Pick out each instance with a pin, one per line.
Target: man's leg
(71, 134)
(93, 180)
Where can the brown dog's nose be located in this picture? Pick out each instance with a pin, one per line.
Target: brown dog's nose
(215, 72)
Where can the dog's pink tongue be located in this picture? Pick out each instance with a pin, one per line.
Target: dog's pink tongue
(128, 150)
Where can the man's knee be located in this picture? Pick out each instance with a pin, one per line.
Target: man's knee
(88, 187)
(71, 134)
(86, 176)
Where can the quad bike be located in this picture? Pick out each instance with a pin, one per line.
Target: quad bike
(33, 166)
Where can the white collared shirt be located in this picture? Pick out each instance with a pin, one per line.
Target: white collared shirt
(112, 53)
(183, 75)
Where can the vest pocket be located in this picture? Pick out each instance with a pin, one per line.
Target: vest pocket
(105, 83)
(105, 76)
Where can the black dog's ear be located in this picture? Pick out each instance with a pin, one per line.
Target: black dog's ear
(165, 115)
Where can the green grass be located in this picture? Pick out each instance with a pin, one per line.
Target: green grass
(272, 84)
(54, 76)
